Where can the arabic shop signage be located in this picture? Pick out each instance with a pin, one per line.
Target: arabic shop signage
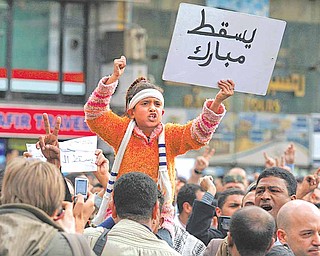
(293, 83)
(18, 121)
(210, 44)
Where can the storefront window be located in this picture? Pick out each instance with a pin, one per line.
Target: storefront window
(34, 52)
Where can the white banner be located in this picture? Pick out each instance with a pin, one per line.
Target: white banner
(78, 155)
(210, 44)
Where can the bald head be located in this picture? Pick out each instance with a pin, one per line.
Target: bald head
(295, 210)
(238, 171)
(299, 227)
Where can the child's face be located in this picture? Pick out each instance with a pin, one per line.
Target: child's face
(147, 114)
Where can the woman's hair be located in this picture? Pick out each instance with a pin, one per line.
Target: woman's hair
(138, 85)
(33, 182)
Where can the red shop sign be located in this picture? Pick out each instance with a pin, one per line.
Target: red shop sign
(18, 121)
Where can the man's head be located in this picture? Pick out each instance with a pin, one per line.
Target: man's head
(145, 104)
(233, 181)
(33, 182)
(186, 196)
(251, 231)
(249, 197)
(298, 224)
(229, 201)
(241, 172)
(135, 196)
(275, 187)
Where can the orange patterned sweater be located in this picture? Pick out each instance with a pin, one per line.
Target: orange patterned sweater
(142, 154)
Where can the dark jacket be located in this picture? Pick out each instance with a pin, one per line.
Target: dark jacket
(199, 223)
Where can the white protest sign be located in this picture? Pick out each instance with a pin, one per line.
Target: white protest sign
(36, 153)
(77, 155)
(210, 44)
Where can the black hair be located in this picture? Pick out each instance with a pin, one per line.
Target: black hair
(252, 186)
(299, 179)
(252, 229)
(317, 205)
(187, 193)
(182, 179)
(287, 176)
(232, 178)
(224, 195)
(135, 195)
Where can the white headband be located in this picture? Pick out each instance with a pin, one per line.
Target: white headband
(146, 93)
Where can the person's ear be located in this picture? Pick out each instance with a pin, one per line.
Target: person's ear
(293, 197)
(162, 111)
(282, 236)
(187, 208)
(113, 209)
(218, 212)
(130, 113)
(214, 222)
(161, 221)
(156, 210)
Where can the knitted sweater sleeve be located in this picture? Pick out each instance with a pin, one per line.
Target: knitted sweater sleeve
(99, 117)
(196, 133)
(99, 101)
(206, 123)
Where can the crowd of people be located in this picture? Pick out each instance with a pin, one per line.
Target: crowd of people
(140, 206)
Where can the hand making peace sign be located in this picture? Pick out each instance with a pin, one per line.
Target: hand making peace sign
(202, 161)
(48, 143)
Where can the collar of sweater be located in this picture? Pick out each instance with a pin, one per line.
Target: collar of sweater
(154, 135)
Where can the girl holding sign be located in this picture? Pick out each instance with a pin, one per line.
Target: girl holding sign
(140, 140)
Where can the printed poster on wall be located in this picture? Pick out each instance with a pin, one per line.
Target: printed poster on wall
(210, 44)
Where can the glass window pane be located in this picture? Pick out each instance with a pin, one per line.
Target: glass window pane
(34, 51)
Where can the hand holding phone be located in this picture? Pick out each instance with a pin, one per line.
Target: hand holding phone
(81, 186)
(224, 224)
